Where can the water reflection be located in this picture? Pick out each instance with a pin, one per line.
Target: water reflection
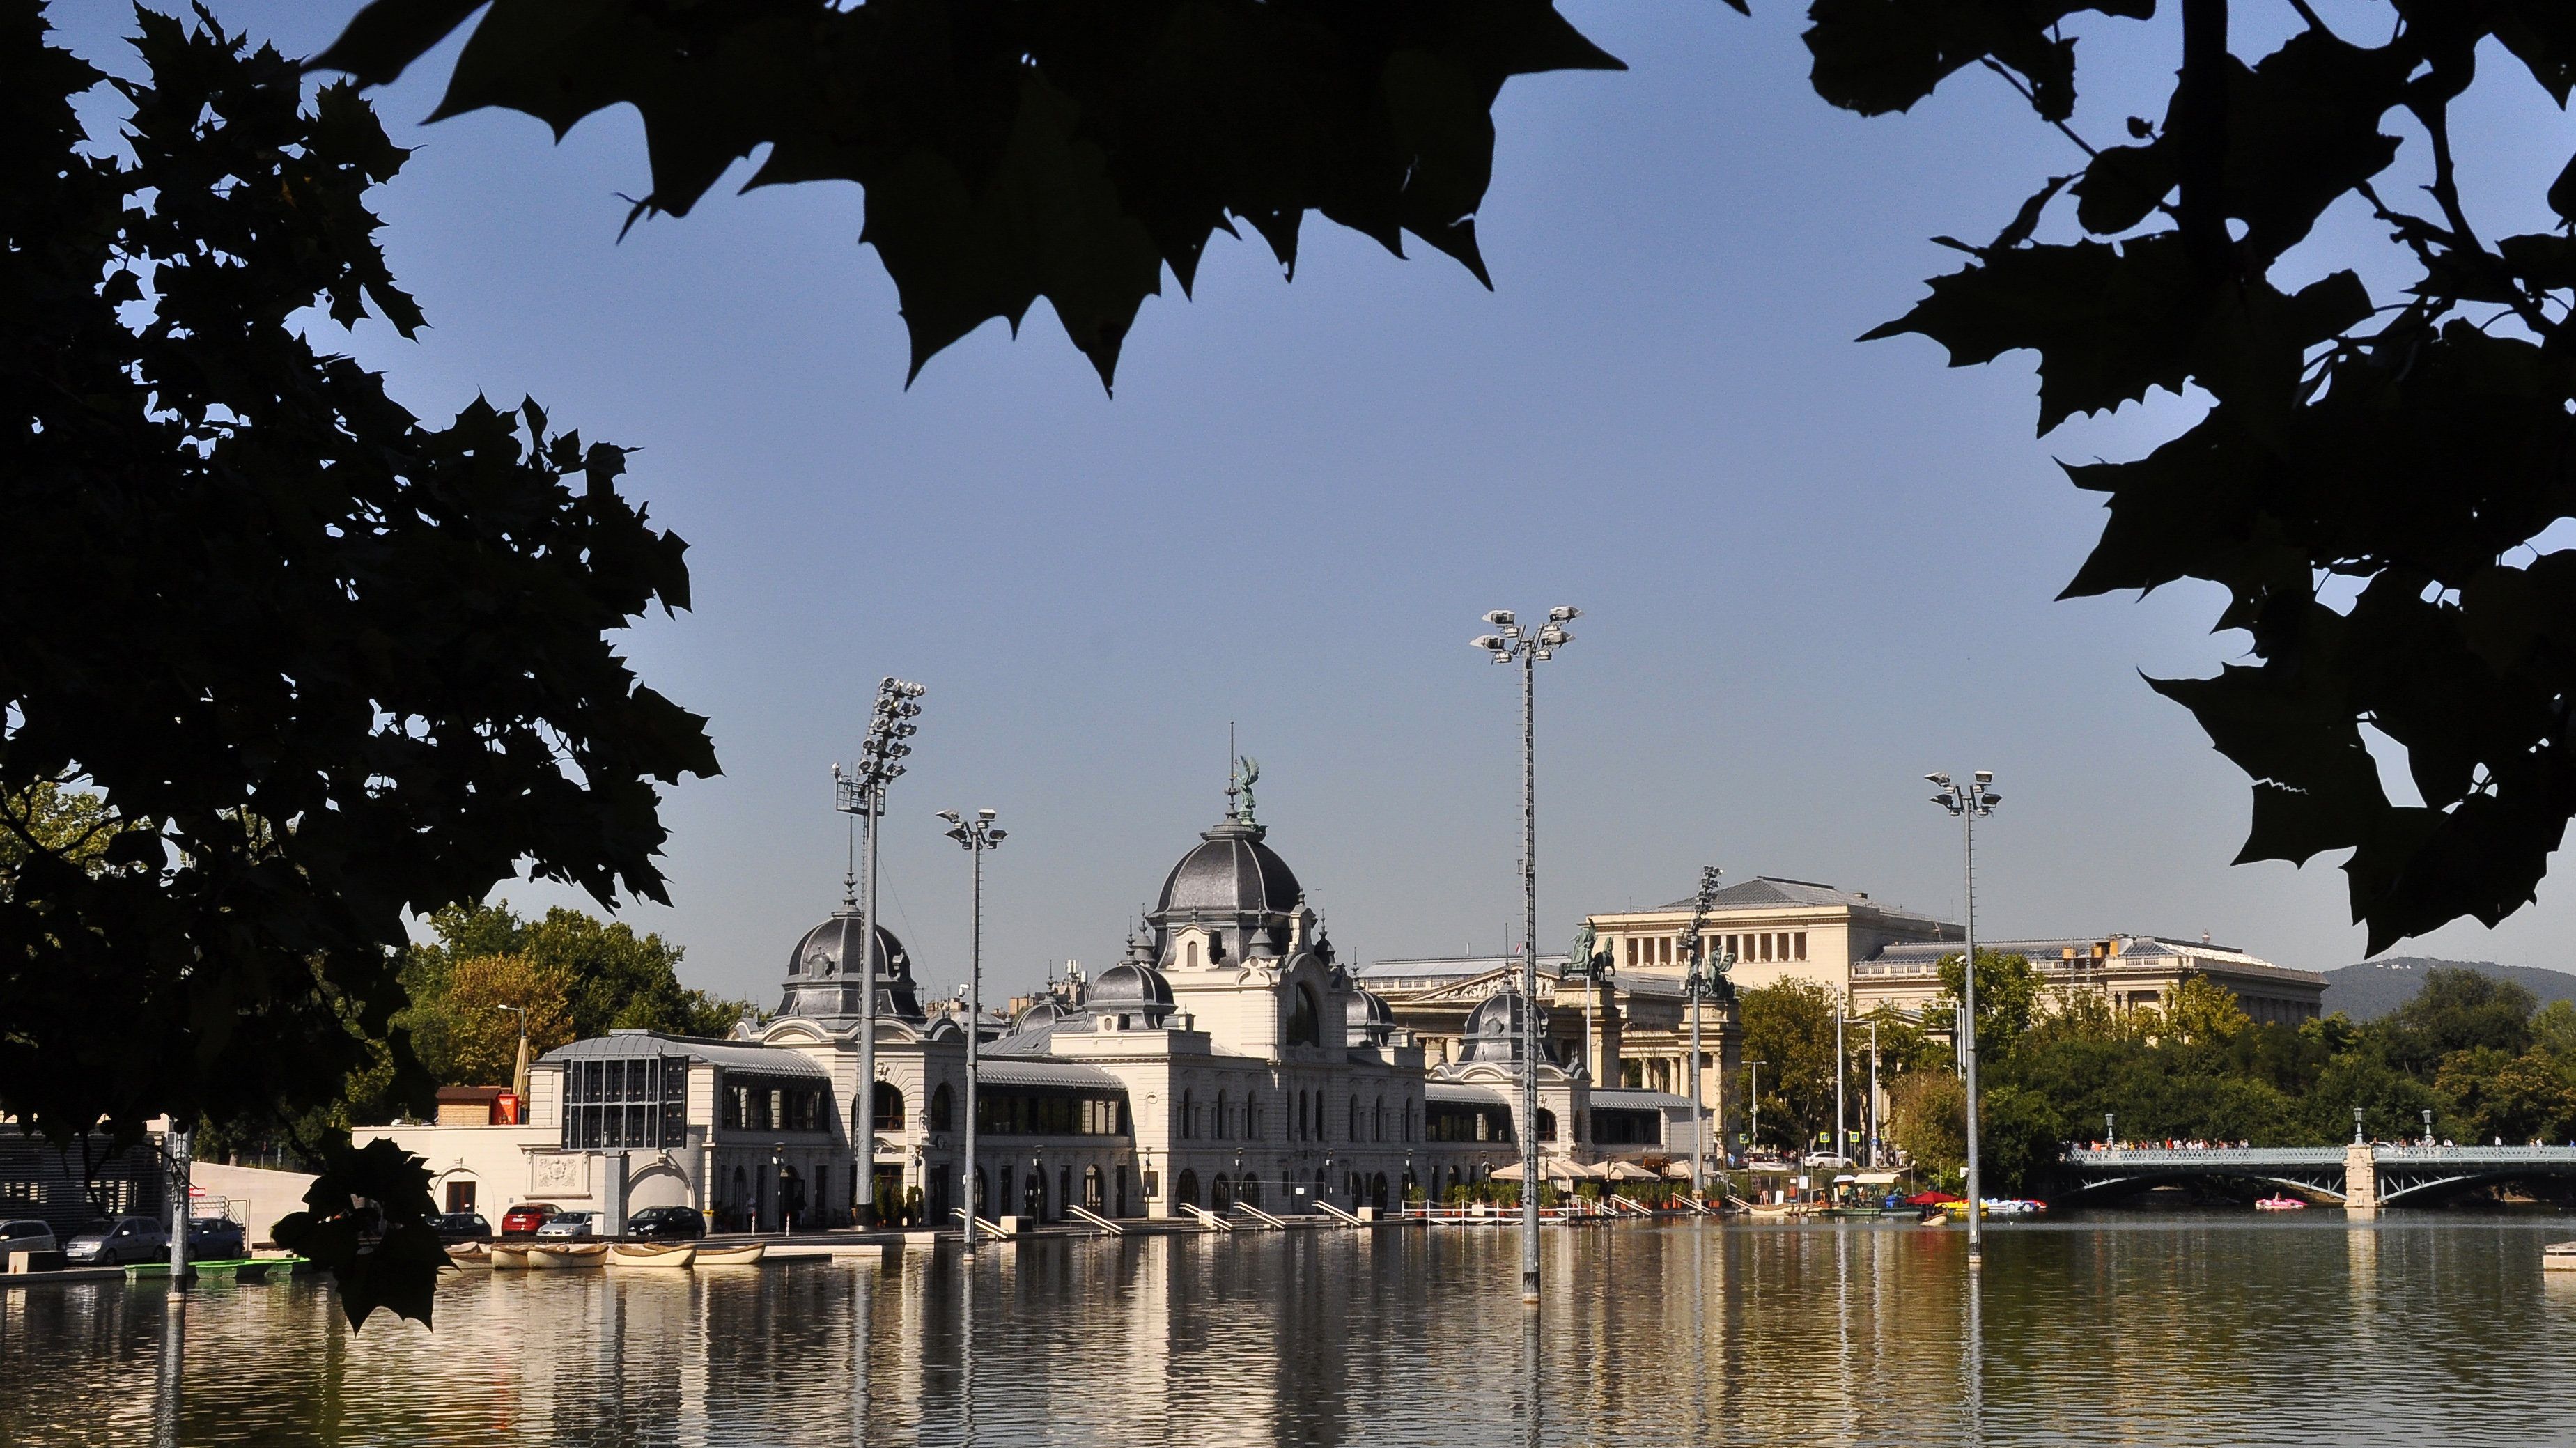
(2163, 1330)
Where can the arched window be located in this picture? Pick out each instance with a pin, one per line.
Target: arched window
(889, 1107)
(942, 1108)
(1193, 954)
(1092, 1196)
(1377, 1121)
(1189, 1116)
(1301, 1116)
(1356, 1133)
(1224, 1123)
(1252, 1119)
(1304, 1020)
(1546, 1124)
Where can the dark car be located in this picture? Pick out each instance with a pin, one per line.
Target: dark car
(455, 1227)
(524, 1219)
(667, 1224)
(216, 1239)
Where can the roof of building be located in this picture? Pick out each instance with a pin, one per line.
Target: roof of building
(2135, 950)
(748, 1056)
(471, 1095)
(1231, 872)
(1459, 1092)
(1024, 1072)
(1448, 967)
(1775, 892)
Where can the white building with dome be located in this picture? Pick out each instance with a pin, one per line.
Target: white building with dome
(1228, 1058)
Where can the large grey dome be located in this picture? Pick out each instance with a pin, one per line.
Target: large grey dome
(1231, 872)
(1369, 1011)
(823, 973)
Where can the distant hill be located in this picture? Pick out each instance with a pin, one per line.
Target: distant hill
(2375, 987)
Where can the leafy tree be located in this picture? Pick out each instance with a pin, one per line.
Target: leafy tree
(2008, 996)
(2200, 1011)
(2459, 1010)
(2513, 1098)
(480, 1040)
(1928, 1120)
(1790, 1026)
(2020, 1135)
(2554, 1030)
(321, 665)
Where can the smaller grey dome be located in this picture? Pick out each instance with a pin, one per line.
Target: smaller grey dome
(1493, 1032)
(1128, 984)
(1368, 1011)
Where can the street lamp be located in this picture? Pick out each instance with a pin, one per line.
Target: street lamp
(2111, 1130)
(975, 836)
(1969, 803)
(1703, 979)
(1512, 644)
(2428, 1126)
(862, 793)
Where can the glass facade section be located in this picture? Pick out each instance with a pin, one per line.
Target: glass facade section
(628, 1101)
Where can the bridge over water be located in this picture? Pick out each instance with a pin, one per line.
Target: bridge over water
(2361, 1177)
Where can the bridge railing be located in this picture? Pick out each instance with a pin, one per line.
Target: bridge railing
(2472, 1154)
(2206, 1157)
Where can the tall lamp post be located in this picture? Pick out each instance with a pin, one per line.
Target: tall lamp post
(1703, 979)
(1969, 803)
(862, 793)
(975, 836)
(1512, 644)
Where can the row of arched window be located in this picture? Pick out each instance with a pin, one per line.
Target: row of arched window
(1225, 1120)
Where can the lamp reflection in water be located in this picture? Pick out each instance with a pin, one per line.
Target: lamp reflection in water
(165, 1390)
(862, 1312)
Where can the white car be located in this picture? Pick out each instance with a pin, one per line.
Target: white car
(26, 1235)
(568, 1224)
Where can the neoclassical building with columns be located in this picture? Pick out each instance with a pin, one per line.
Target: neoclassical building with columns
(1229, 1058)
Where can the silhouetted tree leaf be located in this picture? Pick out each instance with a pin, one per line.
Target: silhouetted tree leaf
(1017, 152)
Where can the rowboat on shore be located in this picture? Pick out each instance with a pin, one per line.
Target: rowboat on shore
(568, 1254)
(651, 1254)
(469, 1254)
(508, 1256)
(743, 1254)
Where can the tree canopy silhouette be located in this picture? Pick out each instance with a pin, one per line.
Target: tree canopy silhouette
(283, 664)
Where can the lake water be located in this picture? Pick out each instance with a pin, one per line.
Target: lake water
(2421, 1330)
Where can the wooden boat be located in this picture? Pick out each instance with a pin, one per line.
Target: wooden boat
(469, 1254)
(651, 1254)
(739, 1254)
(2558, 1257)
(2280, 1204)
(568, 1254)
(508, 1256)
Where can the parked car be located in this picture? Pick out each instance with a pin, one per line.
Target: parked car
(112, 1244)
(215, 1239)
(568, 1224)
(454, 1227)
(667, 1224)
(26, 1235)
(524, 1219)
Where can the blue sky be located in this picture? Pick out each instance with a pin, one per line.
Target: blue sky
(1811, 569)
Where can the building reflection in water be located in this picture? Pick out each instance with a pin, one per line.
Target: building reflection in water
(1692, 1332)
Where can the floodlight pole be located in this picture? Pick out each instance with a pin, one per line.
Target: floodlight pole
(863, 794)
(976, 836)
(1968, 802)
(1514, 645)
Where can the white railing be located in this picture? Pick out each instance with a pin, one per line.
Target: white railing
(1091, 1218)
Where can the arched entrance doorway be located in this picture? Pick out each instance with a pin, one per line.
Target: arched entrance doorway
(1221, 1195)
(1188, 1189)
(1033, 1196)
(1092, 1198)
(1377, 1192)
